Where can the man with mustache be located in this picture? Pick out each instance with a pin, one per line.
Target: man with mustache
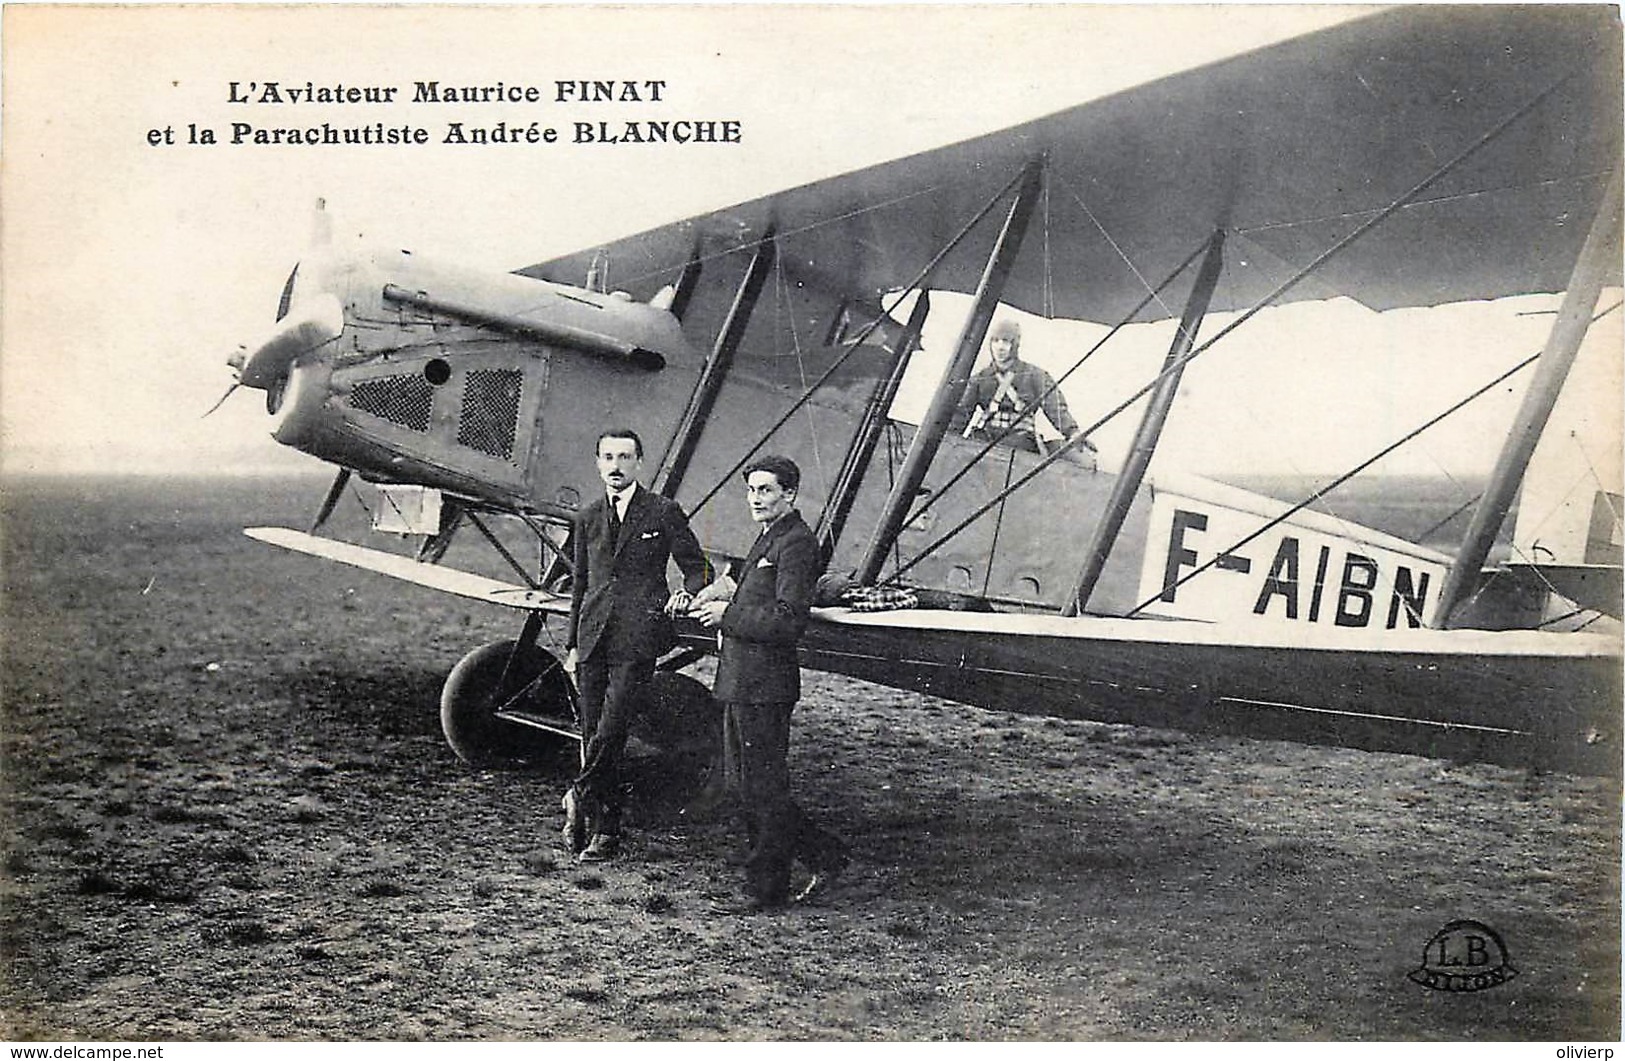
(620, 624)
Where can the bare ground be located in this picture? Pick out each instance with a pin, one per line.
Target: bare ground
(229, 814)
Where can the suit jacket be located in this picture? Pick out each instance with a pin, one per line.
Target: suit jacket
(618, 590)
(767, 615)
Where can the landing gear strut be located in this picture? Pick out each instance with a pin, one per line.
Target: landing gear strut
(505, 702)
(512, 702)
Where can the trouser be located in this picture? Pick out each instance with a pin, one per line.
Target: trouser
(755, 762)
(611, 692)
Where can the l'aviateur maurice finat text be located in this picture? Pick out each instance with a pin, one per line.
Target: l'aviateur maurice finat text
(313, 127)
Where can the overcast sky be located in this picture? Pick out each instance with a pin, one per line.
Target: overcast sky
(132, 270)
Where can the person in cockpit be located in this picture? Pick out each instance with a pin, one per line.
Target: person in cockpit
(1008, 391)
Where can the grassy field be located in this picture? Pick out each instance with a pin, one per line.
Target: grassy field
(229, 814)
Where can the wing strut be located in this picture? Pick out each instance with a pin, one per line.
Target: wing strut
(434, 547)
(1150, 429)
(687, 436)
(687, 283)
(1152, 295)
(833, 519)
(502, 550)
(1296, 278)
(921, 282)
(957, 373)
(1597, 258)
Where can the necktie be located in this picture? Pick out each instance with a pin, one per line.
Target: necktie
(614, 518)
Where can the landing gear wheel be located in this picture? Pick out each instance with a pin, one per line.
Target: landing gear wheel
(484, 682)
(681, 719)
(683, 725)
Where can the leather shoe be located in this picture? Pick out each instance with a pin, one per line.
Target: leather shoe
(602, 848)
(821, 881)
(575, 822)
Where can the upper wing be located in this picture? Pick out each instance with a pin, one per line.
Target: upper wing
(1289, 148)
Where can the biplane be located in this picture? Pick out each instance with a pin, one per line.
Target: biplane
(1415, 157)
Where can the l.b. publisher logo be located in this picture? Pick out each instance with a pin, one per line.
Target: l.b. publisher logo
(1464, 956)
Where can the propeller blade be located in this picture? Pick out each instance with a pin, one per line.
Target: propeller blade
(334, 492)
(222, 400)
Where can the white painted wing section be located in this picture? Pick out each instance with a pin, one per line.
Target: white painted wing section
(1423, 641)
(1209, 558)
(433, 576)
(1213, 492)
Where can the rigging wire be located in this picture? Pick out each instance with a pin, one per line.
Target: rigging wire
(919, 279)
(1527, 559)
(1460, 487)
(1339, 481)
(1048, 297)
(1110, 241)
(1459, 509)
(1262, 249)
(998, 439)
(1607, 497)
(1566, 616)
(1342, 244)
(1285, 452)
(1595, 616)
(1382, 215)
(1534, 569)
(998, 524)
(1362, 466)
(784, 308)
(1440, 200)
(703, 259)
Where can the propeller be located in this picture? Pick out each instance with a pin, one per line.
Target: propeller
(222, 400)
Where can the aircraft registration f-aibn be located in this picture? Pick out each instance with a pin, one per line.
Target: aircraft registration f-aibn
(1412, 158)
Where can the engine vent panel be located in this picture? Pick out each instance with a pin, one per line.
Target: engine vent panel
(405, 400)
(490, 414)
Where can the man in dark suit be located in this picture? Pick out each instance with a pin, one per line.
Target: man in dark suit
(761, 616)
(620, 623)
